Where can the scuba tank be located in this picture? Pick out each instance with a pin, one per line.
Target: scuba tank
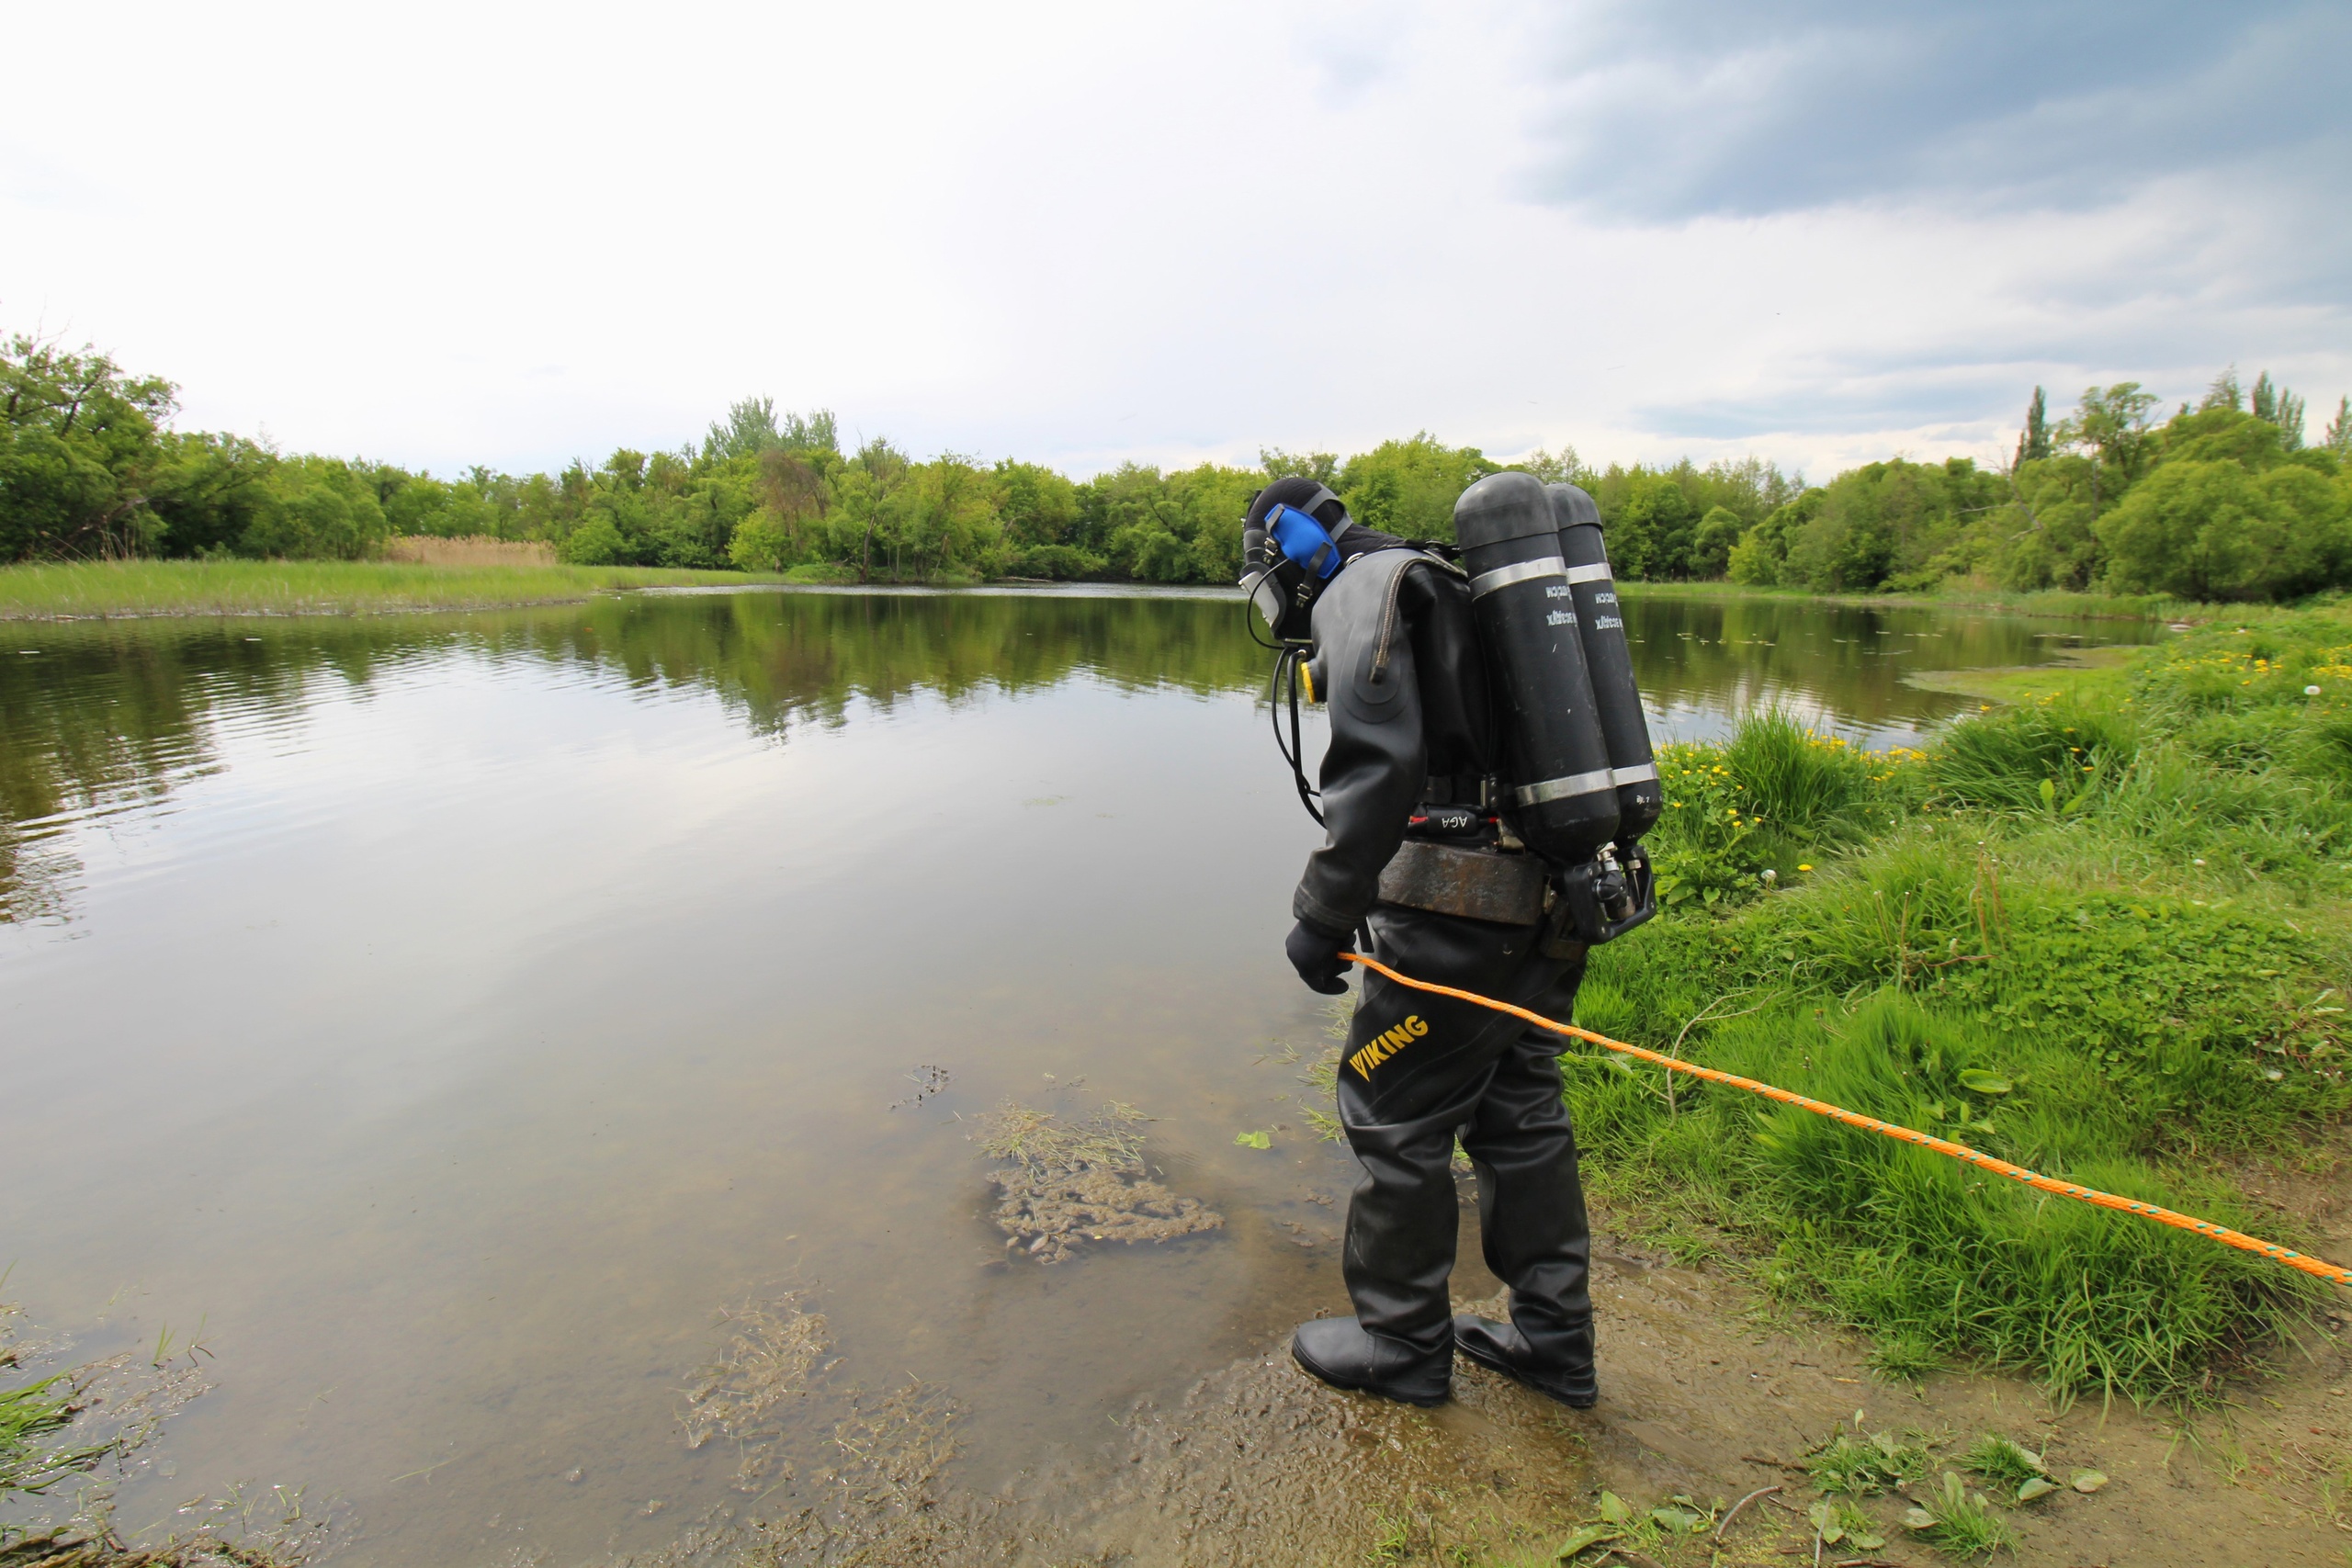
(1564, 807)
(1618, 890)
(1640, 798)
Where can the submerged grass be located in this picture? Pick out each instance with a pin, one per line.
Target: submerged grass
(1072, 1182)
(101, 589)
(64, 1439)
(2100, 938)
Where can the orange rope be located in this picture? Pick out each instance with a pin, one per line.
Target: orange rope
(2162, 1216)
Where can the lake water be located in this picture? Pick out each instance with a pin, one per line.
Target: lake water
(457, 1015)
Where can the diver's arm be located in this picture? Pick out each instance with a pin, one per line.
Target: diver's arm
(1373, 773)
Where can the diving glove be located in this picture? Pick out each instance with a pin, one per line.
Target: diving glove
(1314, 953)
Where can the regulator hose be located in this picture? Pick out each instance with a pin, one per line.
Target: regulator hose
(1288, 666)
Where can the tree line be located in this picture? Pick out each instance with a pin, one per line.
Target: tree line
(2223, 500)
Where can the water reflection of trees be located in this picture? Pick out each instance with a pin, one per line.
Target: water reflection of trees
(113, 715)
(1846, 659)
(99, 718)
(784, 658)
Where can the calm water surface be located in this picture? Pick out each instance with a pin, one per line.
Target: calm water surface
(457, 1014)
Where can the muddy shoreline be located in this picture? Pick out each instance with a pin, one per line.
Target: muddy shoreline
(1711, 1396)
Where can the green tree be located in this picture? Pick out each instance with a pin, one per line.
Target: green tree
(878, 470)
(2045, 538)
(1649, 529)
(207, 492)
(2034, 442)
(1323, 467)
(1409, 487)
(316, 508)
(596, 542)
(1894, 523)
(1713, 541)
(79, 450)
(1038, 505)
(2275, 405)
(2219, 529)
(2113, 425)
(1760, 559)
(1555, 468)
(752, 427)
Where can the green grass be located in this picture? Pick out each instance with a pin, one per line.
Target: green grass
(28, 1414)
(2101, 939)
(312, 588)
(2004, 1461)
(1957, 1521)
(1957, 594)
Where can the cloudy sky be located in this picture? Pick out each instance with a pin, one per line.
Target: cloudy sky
(1821, 232)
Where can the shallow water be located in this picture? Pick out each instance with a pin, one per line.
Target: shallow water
(455, 1014)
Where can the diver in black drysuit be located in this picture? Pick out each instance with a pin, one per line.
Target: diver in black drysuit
(1397, 662)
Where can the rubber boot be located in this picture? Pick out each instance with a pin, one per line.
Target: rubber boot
(1533, 1224)
(1563, 1375)
(1342, 1352)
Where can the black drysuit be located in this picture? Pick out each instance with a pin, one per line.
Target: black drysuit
(1397, 662)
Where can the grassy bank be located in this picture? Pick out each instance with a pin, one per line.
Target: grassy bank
(99, 589)
(2096, 931)
(1956, 595)
(453, 581)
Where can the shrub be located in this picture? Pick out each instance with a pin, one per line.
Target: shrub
(594, 543)
(1754, 560)
(2218, 530)
(765, 541)
(1060, 562)
(315, 508)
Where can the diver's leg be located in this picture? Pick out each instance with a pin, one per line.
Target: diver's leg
(1398, 1250)
(1532, 1218)
(1412, 1074)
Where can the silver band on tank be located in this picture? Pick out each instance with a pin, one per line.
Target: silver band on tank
(1598, 572)
(1486, 582)
(1643, 775)
(1561, 789)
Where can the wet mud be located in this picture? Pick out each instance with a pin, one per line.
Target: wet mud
(1709, 1398)
(1707, 1446)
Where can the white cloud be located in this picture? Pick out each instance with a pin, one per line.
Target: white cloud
(513, 234)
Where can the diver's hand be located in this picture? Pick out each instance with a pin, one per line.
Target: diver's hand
(1314, 953)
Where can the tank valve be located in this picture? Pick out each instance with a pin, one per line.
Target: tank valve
(1609, 896)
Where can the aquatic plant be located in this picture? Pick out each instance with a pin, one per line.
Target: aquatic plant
(1072, 1182)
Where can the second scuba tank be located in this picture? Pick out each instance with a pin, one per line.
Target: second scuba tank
(1639, 798)
(1564, 806)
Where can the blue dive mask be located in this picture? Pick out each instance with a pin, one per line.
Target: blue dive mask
(1304, 541)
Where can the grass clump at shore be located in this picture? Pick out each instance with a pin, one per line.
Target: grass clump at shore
(63, 1437)
(2098, 938)
(2057, 603)
(101, 589)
